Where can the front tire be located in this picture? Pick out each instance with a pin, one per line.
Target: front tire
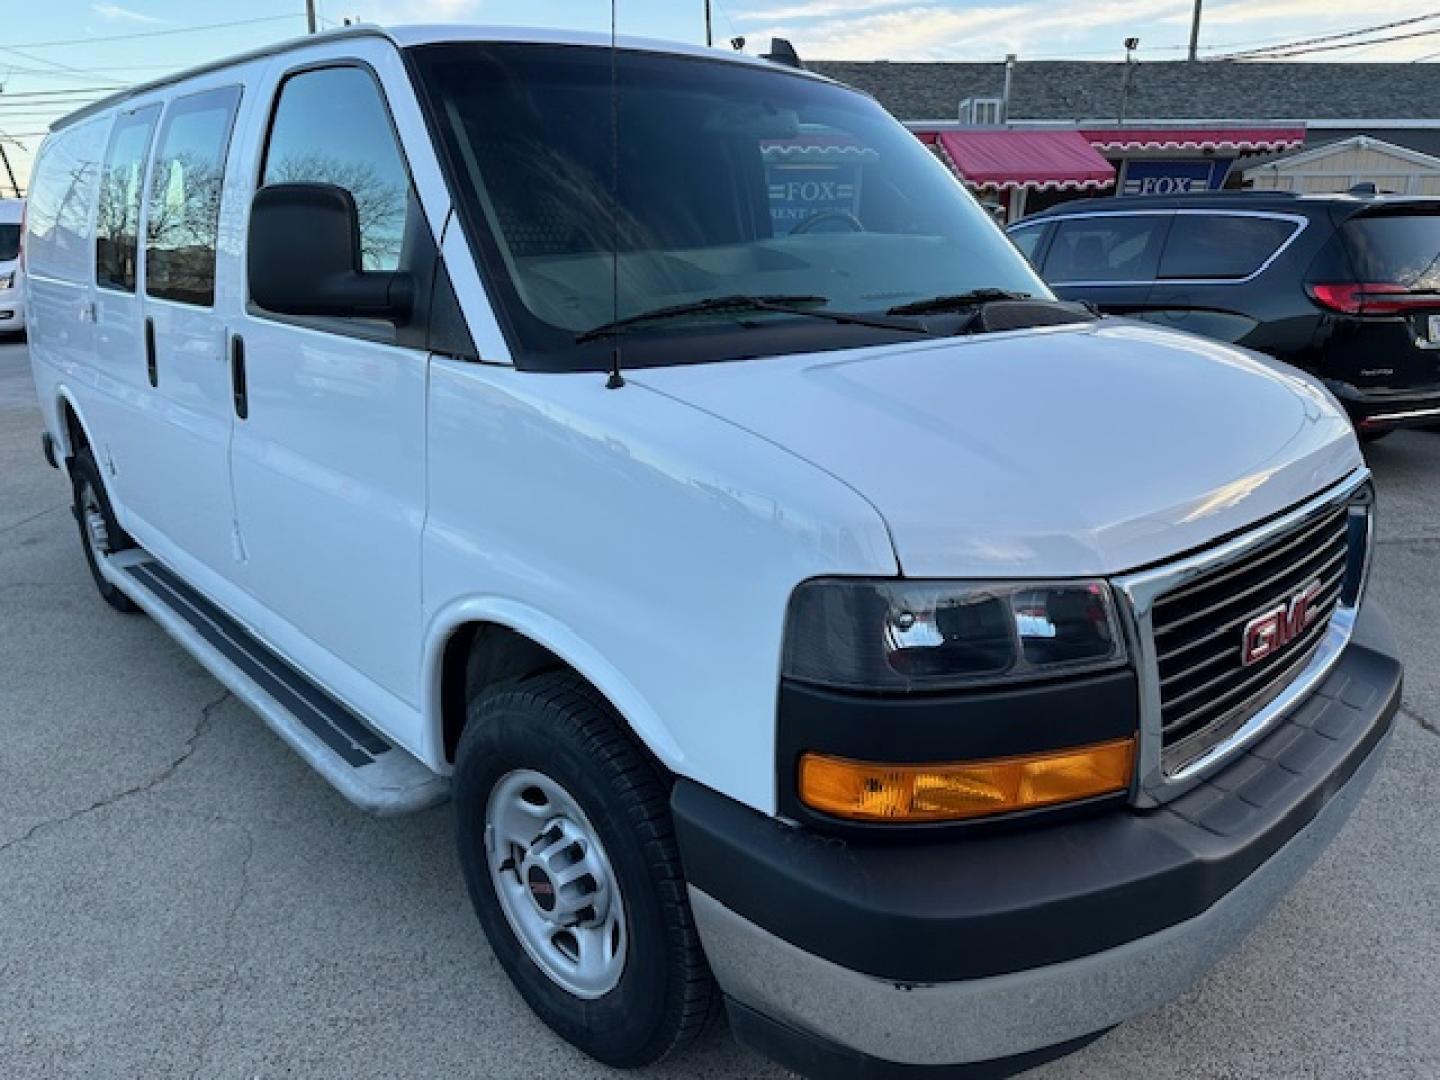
(100, 533)
(570, 857)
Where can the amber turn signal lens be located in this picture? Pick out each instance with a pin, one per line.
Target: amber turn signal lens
(867, 791)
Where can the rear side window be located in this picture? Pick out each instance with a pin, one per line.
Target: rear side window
(1106, 248)
(1220, 246)
(1399, 249)
(117, 221)
(9, 241)
(183, 211)
(1027, 240)
(331, 127)
(62, 197)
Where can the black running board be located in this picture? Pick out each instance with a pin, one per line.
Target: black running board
(361, 764)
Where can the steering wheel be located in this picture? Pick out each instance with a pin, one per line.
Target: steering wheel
(821, 216)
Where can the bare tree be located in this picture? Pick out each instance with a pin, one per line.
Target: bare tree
(380, 200)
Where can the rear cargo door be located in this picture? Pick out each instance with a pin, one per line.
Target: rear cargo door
(1395, 254)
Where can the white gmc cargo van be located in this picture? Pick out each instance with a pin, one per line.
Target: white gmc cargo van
(12, 310)
(658, 452)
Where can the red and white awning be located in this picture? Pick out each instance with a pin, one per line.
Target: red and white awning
(1041, 160)
(1214, 139)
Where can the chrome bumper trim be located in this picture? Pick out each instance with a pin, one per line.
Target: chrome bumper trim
(1399, 417)
(984, 1019)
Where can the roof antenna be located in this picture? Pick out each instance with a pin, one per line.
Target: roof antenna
(616, 380)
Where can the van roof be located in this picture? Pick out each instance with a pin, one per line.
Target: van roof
(405, 37)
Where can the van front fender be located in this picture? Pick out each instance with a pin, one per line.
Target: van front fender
(552, 634)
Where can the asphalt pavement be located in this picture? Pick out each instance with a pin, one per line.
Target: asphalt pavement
(181, 896)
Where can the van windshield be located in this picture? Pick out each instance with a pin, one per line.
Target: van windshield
(9, 241)
(696, 179)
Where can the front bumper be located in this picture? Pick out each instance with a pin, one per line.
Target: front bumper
(12, 312)
(848, 959)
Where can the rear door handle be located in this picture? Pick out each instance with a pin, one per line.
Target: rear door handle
(150, 368)
(237, 377)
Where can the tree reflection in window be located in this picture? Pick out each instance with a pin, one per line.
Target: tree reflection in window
(183, 211)
(331, 127)
(117, 220)
(379, 201)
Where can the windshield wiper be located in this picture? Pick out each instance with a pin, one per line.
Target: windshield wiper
(938, 305)
(777, 302)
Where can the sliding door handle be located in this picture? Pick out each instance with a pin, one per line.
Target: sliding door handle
(150, 367)
(237, 377)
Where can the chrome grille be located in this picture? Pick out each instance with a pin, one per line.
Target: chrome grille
(1207, 692)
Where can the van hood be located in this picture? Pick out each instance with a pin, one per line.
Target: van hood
(1066, 451)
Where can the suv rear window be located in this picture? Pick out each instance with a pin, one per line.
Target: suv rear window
(1218, 246)
(1401, 249)
(1106, 247)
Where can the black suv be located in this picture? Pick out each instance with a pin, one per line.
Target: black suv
(1345, 286)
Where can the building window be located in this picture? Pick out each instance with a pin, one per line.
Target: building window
(980, 112)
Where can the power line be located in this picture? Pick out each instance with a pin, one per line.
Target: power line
(66, 68)
(157, 33)
(1341, 35)
(1350, 44)
(56, 93)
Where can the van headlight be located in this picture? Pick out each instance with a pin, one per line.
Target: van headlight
(7, 279)
(901, 635)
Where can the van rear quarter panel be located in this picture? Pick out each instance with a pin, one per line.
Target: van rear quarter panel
(60, 266)
(570, 513)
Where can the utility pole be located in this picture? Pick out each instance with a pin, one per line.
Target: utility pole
(709, 35)
(310, 14)
(14, 186)
(1195, 32)
(5, 159)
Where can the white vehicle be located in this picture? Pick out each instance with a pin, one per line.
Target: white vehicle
(660, 454)
(12, 307)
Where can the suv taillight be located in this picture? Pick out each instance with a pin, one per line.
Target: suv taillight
(1369, 297)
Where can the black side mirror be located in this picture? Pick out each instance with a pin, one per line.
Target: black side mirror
(304, 257)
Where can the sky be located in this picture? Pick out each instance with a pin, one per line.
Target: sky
(55, 55)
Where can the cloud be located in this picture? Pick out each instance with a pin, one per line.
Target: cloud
(116, 13)
(933, 32)
(1300, 16)
(412, 11)
(818, 9)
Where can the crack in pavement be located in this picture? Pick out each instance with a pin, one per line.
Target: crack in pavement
(1420, 718)
(33, 517)
(232, 976)
(1391, 540)
(206, 712)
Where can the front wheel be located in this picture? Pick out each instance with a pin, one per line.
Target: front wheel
(570, 857)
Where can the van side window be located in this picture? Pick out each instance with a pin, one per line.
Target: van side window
(117, 221)
(62, 198)
(1106, 247)
(1220, 246)
(331, 127)
(183, 211)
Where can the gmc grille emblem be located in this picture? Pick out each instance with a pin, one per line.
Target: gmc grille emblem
(1270, 631)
